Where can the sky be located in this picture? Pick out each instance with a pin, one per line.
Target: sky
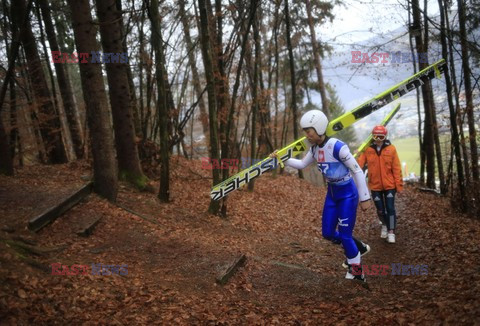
(360, 20)
(357, 27)
(360, 23)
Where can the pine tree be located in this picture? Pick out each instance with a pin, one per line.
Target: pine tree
(336, 109)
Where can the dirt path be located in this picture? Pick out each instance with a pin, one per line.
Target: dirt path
(291, 276)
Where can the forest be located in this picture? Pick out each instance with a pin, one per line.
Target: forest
(119, 117)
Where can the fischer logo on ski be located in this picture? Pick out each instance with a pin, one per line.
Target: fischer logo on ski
(245, 176)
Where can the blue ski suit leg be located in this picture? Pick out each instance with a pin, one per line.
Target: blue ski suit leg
(340, 209)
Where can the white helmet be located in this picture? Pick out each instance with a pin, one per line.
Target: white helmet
(315, 119)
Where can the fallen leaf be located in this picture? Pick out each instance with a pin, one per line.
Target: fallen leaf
(22, 294)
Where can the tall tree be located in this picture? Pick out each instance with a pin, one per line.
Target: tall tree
(317, 60)
(14, 138)
(417, 93)
(6, 157)
(212, 98)
(456, 92)
(337, 109)
(453, 114)
(255, 95)
(66, 44)
(428, 138)
(142, 63)
(6, 153)
(292, 75)
(105, 170)
(133, 95)
(191, 61)
(468, 95)
(111, 31)
(49, 119)
(223, 102)
(63, 82)
(436, 136)
(277, 23)
(264, 114)
(162, 102)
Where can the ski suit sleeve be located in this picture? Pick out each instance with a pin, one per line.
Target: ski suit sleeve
(300, 164)
(347, 158)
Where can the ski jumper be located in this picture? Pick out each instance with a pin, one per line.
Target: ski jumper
(340, 170)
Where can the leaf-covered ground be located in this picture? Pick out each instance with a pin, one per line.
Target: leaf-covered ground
(175, 251)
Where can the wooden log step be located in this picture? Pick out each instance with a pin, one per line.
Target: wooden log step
(88, 229)
(230, 271)
(51, 214)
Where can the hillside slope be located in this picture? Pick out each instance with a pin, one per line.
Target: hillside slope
(175, 251)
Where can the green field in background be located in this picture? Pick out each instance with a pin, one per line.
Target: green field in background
(408, 152)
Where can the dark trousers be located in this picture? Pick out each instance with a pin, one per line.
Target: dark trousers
(385, 204)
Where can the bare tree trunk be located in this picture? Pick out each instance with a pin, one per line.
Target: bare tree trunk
(141, 64)
(419, 114)
(465, 159)
(49, 119)
(195, 76)
(150, 94)
(15, 140)
(216, 37)
(53, 87)
(162, 104)
(63, 83)
(212, 98)
(98, 114)
(133, 95)
(31, 136)
(436, 137)
(265, 137)
(65, 130)
(292, 77)
(317, 61)
(66, 43)
(286, 112)
(277, 75)
(6, 159)
(6, 153)
(244, 31)
(111, 27)
(428, 139)
(255, 99)
(222, 87)
(469, 97)
(267, 97)
(453, 120)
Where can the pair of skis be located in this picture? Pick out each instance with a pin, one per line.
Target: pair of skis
(345, 120)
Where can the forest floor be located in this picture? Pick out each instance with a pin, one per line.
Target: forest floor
(175, 252)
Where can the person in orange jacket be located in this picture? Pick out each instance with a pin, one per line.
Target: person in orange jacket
(384, 179)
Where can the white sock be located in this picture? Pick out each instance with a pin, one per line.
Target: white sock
(354, 260)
